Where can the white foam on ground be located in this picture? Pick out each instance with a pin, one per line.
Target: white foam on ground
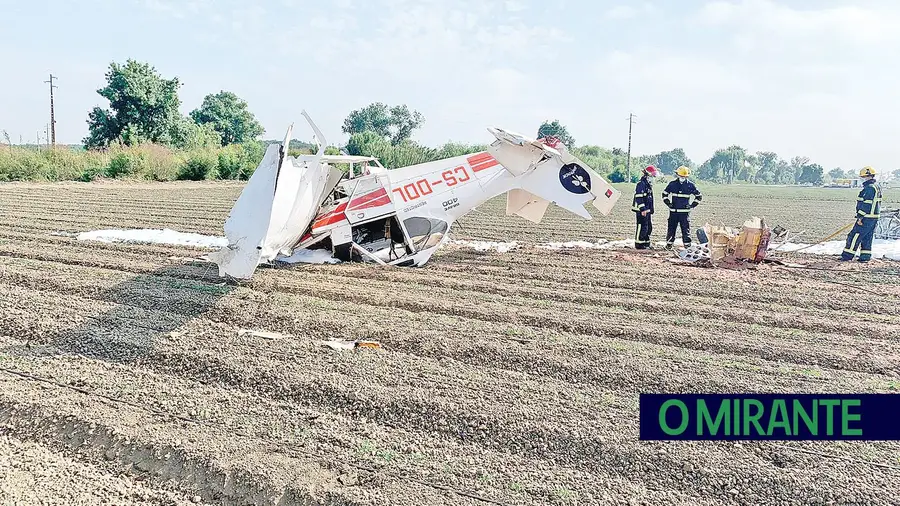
(881, 248)
(310, 256)
(600, 244)
(154, 236)
(500, 247)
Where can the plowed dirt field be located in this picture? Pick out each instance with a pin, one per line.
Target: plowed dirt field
(127, 375)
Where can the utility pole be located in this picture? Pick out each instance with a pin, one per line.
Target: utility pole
(731, 172)
(628, 159)
(52, 112)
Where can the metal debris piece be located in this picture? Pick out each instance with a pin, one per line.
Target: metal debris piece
(262, 334)
(341, 344)
(778, 232)
(695, 252)
(721, 245)
(888, 226)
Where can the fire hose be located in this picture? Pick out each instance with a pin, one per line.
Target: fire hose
(832, 236)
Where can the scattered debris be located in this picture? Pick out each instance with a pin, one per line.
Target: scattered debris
(262, 334)
(341, 344)
(695, 252)
(175, 334)
(721, 246)
(888, 226)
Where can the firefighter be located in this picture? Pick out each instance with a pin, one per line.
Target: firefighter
(643, 207)
(868, 210)
(677, 196)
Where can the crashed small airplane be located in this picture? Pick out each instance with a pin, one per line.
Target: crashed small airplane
(395, 217)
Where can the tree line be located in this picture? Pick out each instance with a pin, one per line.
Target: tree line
(144, 110)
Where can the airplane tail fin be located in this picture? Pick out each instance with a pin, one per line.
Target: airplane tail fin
(549, 174)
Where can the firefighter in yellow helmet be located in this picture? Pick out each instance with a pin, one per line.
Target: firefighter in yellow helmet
(677, 196)
(868, 210)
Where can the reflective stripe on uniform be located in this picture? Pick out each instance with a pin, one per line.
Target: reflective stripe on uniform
(680, 210)
(637, 235)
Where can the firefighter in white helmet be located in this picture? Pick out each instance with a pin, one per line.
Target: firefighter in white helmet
(677, 196)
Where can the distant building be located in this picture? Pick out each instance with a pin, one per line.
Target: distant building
(846, 183)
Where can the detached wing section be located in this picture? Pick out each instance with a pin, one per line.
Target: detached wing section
(275, 208)
(549, 173)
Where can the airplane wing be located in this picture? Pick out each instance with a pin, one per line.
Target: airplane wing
(275, 208)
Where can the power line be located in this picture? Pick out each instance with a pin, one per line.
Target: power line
(52, 112)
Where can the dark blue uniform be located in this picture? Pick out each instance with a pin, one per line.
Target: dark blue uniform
(677, 196)
(643, 201)
(868, 210)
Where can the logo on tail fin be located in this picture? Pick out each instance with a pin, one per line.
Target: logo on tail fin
(574, 178)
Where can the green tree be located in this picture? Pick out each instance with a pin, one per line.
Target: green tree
(143, 107)
(811, 173)
(668, 161)
(187, 134)
(767, 167)
(227, 114)
(558, 130)
(749, 171)
(783, 172)
(797, 164)
(725, 165)
(836, 173)
(395, 123)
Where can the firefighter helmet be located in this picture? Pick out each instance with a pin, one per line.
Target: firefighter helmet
(866, 172)
(651, 171)
(683, 171)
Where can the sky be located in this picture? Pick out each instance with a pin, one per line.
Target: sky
(815, 78)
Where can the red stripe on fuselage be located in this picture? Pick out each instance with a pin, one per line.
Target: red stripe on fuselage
(480, 157)
(485, 165)
(482, 161)
(359, 201)
(380, 201)
(331, 217)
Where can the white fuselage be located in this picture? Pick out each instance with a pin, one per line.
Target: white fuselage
(448, 189)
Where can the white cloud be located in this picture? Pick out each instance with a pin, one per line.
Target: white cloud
(514, 6)
(797, 77)
(670, 76)
(849, 23)
(630, 11)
